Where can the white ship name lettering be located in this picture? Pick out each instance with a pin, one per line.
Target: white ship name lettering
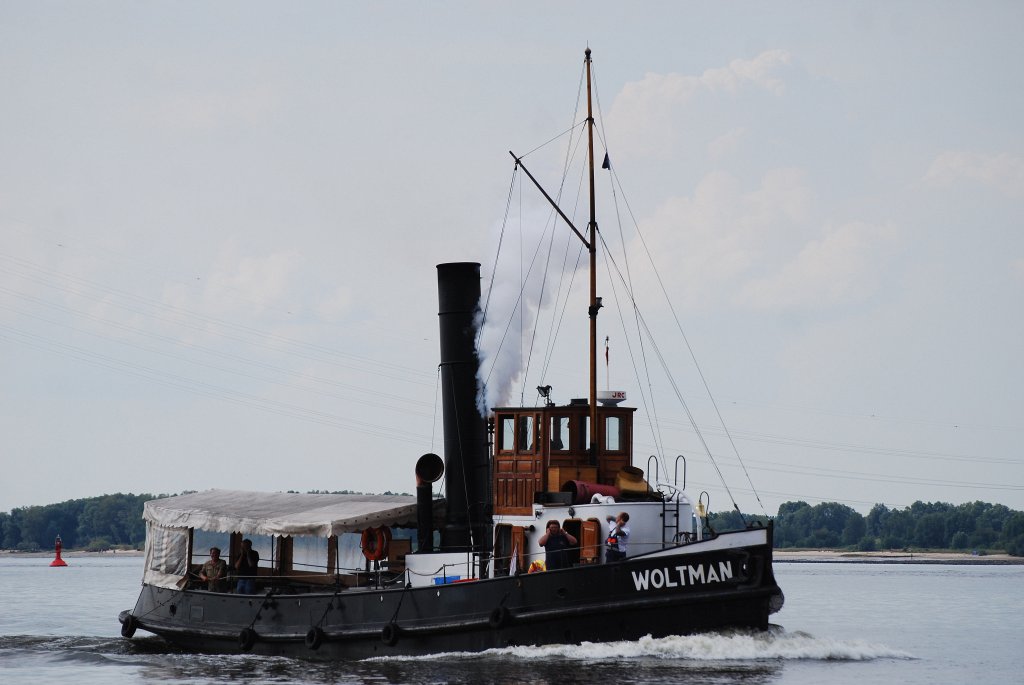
(699, 574)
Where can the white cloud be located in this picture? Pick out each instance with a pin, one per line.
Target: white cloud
(839, 267)
(727, 144)
(648, 110)
(758, 71)
(721, 235)
(1003, 171)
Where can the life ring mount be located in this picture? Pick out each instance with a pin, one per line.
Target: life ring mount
(374, 542)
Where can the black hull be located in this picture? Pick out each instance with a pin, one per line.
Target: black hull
(668, 593)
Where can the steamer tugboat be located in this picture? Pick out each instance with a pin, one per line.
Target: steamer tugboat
(354, 576)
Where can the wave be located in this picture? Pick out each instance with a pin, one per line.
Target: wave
(84, 647)
(725, 647)
(733, 646)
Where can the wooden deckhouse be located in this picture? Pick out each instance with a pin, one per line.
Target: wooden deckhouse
(537, 450)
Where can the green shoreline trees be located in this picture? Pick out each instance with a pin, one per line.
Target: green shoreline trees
(94, 523)
(922, 525)
(109, 521)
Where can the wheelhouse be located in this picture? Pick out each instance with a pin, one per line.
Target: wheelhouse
(539, 450)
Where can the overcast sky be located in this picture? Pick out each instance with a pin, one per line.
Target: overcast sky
(219, 225)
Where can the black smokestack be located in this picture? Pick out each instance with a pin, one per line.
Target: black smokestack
(467, 467)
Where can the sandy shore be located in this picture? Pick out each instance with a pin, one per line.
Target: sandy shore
(891, 557)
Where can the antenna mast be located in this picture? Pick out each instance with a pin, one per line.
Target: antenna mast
(595, 301)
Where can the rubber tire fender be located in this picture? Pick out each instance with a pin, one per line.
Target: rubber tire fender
(389, 634)
(129, 626)
(314, 638)
(246, 639)
(499, 617)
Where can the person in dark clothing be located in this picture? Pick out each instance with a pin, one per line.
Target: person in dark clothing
(245, 567)
(556, 543)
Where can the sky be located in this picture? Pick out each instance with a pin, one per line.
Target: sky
(219, 225)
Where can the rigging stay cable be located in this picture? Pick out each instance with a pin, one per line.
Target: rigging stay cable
(656, 428)
(628, 284)
(693, 356)
(571, 152)
(556, 328)
(682, 400)
(519, 306)
(650, 409)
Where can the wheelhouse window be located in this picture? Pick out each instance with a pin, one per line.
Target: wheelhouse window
(525, 434)
(560, 441)
(507, 437)
(584, 436)
(613, 434)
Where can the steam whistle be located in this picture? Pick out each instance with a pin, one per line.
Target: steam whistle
(57, 561)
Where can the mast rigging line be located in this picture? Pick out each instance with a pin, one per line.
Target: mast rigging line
(654, 424)
(689, 348)
(675, 387)
(570, 154)
(652, 410)
(206, 389)
(626, 281)
(522, 290)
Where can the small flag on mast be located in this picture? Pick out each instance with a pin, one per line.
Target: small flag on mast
(607, 163)
(607, 368)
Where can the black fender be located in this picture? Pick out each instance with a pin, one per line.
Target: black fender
(314, 638)
(499, 617)
(129, 625)
(246, 639)
(389, 634)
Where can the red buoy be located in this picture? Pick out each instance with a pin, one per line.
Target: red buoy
(58, 561)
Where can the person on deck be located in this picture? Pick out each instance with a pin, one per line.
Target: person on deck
(618, 537)
(214, 571)
(246, 568)
(556, 543)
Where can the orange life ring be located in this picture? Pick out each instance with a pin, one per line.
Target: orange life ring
(374, 542)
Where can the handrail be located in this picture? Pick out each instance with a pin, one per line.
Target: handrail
(678, 457)
(657, 474)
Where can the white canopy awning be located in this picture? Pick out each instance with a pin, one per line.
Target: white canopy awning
(283, 513)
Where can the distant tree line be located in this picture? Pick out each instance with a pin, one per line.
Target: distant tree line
(922, 525)
(108, 521)
(95, 523)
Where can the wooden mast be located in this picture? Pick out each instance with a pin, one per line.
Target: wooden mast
(591, 243)
(595, 302)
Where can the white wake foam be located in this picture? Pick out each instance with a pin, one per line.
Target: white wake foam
(775, 645)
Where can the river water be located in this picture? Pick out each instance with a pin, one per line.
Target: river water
(842, 623)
